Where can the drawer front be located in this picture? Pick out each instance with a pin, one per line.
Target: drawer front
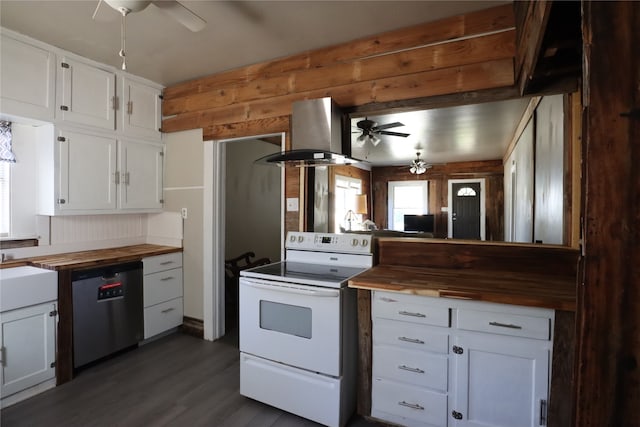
(412, 367)
(162, 286)
(505, 324)
(407, 405)
(409, 309)
(154, 264)
(410, 336)
(162, 317)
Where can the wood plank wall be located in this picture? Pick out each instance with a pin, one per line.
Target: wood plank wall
(438, 177)
(608, 358)
(456, 55)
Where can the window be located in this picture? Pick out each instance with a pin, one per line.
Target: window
(346, 190)
(466, 192)
(406, 198)
(5, 199)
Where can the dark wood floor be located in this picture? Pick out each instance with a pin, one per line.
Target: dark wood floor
(178, 380)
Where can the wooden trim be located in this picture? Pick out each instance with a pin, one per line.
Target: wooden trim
(365, 353)
(18, 243)
(526, 116)
(574, 186)
(192, 326)
(560, 412)
(529, 39)
(64, 337)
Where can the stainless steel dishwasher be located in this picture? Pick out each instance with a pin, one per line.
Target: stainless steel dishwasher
(107, 311)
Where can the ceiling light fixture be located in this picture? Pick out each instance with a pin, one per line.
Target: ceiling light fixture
(418, 166)
(367, 136)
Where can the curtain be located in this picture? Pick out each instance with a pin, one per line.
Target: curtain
(6, 154)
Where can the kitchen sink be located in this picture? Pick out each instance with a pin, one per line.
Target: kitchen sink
(25, 286)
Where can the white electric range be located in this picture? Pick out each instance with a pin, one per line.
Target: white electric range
(298, 327)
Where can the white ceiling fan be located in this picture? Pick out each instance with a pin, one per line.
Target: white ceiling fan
(172, 8)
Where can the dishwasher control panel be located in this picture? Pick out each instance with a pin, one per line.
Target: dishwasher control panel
(110, 290)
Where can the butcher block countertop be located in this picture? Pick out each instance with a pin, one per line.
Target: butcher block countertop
(533, 290)
(99, 257)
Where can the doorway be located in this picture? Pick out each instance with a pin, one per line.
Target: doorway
(215, 218)
(467, 215)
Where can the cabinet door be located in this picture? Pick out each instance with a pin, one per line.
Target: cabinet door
(141, 111)
(86, 94)
(141, 175)
(26, 80)
(27, 336)
(86, 172)
(499, 381)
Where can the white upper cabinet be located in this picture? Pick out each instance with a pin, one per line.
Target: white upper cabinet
(27, 80)
(140, 112)
(86, 94)
(85, 173)
(140, 175)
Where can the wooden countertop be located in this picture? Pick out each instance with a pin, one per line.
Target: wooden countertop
(535, 290)
(94, 258)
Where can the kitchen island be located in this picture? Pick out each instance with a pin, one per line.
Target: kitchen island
(65, 264)
(458, 274)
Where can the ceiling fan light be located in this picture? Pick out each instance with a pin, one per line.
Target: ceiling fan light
(374, 140)
(130, 5)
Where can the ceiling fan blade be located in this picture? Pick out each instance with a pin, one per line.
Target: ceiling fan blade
(181, 14)
(387, 126)
(96, 11)
(386, 132)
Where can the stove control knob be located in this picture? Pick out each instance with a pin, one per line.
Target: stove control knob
(292, 239)
(354, 242)
(365, 242)
(300, 239)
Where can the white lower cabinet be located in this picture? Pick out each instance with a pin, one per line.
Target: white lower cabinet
(445, 362)
(28, 347)
(163, 304)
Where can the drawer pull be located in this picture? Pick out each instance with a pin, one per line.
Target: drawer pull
(166, 262)
(409, 313)
(505, 325)
(385, 299)
(164, 279)
(411, 340)
(411, 405)
(410, 369)
(167, 310)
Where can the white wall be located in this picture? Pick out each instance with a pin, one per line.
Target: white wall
(184, 185)
(519, 199)
(252, 204)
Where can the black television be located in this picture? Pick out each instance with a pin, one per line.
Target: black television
(421, 223)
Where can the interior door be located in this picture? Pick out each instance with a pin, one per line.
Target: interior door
(465, 214)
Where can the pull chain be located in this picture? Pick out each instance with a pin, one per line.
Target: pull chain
(123, 32)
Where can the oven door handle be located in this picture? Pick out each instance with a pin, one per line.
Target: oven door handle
(331, 293)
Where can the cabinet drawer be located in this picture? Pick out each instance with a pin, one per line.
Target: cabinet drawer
(410, 336)
(162, 262)
(505, 324)
(409, 366)
(407, 405)
(409, 308)
(162, 317)
(162, 286)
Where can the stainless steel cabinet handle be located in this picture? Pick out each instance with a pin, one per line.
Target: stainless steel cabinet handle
(505, 325)
(164, 279)
(411, 340)
(168, 310)
(411, 405)
(409, 313)
(410, 369)
(166, 263)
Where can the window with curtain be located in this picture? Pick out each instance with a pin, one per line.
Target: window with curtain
(346, 189)
(406, 198)
(6, 158)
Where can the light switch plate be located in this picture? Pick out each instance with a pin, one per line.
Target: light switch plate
(292, 204)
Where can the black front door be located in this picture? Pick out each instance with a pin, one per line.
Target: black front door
(465, 213)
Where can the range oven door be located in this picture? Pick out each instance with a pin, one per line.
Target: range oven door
(294, 324)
